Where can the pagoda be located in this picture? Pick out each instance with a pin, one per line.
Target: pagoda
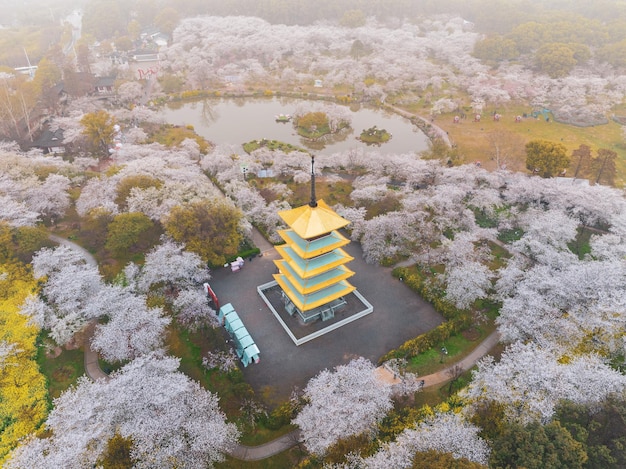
(312, 272)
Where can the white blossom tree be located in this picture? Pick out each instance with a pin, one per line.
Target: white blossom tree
(50, 198)
(465, 283)
(530, 381)
(172, 421)
(192, 309)
(70, 285)
(348, 401)
(131, 328)
(444, 432)
(564, 304)
(169, 264)
(387, 236)
(16, 213)
(130, 92)
(97, 193)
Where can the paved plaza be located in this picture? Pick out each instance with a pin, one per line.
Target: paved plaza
(399, 314)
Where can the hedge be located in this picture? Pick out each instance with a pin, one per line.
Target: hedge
(458, 320)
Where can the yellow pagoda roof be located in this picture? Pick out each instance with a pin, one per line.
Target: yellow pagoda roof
(309, 222)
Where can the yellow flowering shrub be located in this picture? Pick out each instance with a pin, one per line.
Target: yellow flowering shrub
(23, 390)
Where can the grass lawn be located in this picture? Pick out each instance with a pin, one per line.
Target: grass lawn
(500, 256)
(457, 346)
(62, 371)
(471, 137)
(249, 147)
(331, 192)
(436, 394)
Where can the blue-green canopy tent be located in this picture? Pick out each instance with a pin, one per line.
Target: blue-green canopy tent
(245, 347)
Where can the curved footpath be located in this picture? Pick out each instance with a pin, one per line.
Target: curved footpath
(291, 439)
(92, 367)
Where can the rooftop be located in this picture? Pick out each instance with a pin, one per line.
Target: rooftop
(310, 222)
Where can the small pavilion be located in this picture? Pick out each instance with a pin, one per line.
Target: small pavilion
(312, 272)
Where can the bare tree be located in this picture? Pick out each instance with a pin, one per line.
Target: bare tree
(454, 373)
(505, 148)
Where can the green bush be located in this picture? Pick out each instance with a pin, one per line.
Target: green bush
(244, 254)
(280, 416)
(510, 235)
(457, 320)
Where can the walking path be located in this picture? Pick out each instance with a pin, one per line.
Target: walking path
(465, 364)
(430, 128)
(264, 451)
(92, 367)
(291, 439)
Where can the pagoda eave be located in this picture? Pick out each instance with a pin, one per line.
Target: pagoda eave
(313, 284)
(308, 302)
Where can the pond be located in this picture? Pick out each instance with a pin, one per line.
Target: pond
(239, 120)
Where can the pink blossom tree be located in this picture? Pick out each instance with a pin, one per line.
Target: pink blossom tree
(70, 285)
(444, 432)
(131, 328)
(530, 381)
(348, 401)
(169, 264)
(171, 420)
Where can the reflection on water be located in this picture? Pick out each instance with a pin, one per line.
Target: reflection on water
(209, 113)
(238, 120)
(329, 140)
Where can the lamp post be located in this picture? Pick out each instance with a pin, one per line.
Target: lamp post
(444, 352)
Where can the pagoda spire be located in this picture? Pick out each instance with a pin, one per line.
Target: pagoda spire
(313, 202)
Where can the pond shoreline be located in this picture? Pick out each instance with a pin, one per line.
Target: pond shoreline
(210, 114)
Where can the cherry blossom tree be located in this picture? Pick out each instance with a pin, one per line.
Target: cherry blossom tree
(171, 420)
(608, 247)
(192, 309)
(348, 401)
(224, 361)
(440, 50)
(530, 381)
(70, 285)
(25, 196)
(591, 205)
(564, 305)
(50, 198)
(131, 328)
(97, 193)
(169, 264)
(545, 229)
(181, 181)
(467, 282)
(444, 432)
(130, 92)
(16, 213)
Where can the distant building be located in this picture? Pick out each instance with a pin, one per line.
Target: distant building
(105, 85)
(30, 70)
(141, 55)
(154, 36)
(50, 142)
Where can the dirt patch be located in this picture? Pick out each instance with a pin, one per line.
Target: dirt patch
(471, 334)
(54, 352)
(63, 373)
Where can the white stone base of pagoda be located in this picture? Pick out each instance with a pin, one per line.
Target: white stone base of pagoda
(367, 309)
